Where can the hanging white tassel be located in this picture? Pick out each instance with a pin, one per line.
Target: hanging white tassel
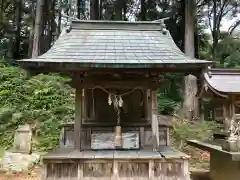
(109, 99)
(120, 101)
(115, 102)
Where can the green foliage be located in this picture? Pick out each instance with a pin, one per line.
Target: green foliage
(44, 101)
(170, 94)
(193, 130)
(229, 52)
(186, 130)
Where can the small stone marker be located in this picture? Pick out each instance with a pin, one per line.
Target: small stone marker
(23, 139)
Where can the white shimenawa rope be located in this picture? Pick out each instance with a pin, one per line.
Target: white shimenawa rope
(115, 99)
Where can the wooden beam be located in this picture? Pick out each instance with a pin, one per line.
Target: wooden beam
(78, 118)
(71, 67)
(116, 84)
(155, 129)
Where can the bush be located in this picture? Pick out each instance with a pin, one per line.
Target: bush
(44, 101)
(198, 130)
(185, 130)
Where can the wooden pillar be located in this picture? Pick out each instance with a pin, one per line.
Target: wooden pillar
(226, 117)
(149, 105)
(155, 130)
(232, 111)
(78, 118)
(229, 114)
(145, 102)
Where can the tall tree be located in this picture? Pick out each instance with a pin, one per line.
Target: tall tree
(94, 9)
(18, 18)
(215, 11)
(191, 105)
(118, 9)
(38, 28)
(81, 9)
(143, 10)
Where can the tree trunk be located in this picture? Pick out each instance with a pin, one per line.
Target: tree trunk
(1, 12)
(18, 16)
(10, 48)
(79, 9)
(94, 10)
(31, 33)
(119, 10)
(191, 105)
(101, 10)
(214, 30)
(125, 10)
(38, 28)
(182, 25)
(51, 23)
(189, 28)
(143, 10)
(44, 30)
(59, 21)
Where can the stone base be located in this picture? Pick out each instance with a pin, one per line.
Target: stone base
(18, 162)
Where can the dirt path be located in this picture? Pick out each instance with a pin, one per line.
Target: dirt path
(32, 175)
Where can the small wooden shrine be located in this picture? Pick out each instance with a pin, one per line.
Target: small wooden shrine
(116, 69)
(222, 86)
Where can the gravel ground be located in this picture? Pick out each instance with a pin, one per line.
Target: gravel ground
(32, 175)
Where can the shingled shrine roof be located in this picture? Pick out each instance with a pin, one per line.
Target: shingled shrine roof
(223, 80)
(115, 44)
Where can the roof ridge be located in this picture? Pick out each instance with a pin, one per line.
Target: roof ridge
(118, 25)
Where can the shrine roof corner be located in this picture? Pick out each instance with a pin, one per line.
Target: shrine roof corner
(114, 44)
(225, 81)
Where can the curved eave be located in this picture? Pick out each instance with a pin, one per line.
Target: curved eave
(223, 82)
(73, 65)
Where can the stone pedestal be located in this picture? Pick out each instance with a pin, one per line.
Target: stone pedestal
(224, 165)
(23, 140)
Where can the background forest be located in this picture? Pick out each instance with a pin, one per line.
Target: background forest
(30, 28)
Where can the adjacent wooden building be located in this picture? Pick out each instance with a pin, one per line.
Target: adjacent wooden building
(222, 88)
(116, 69)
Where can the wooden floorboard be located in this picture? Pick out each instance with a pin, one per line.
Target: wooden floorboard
(104, 154)
(171, 153)
(89, 154)
(146, 154)
(75, 154)
(59, 154)
(132, 154)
